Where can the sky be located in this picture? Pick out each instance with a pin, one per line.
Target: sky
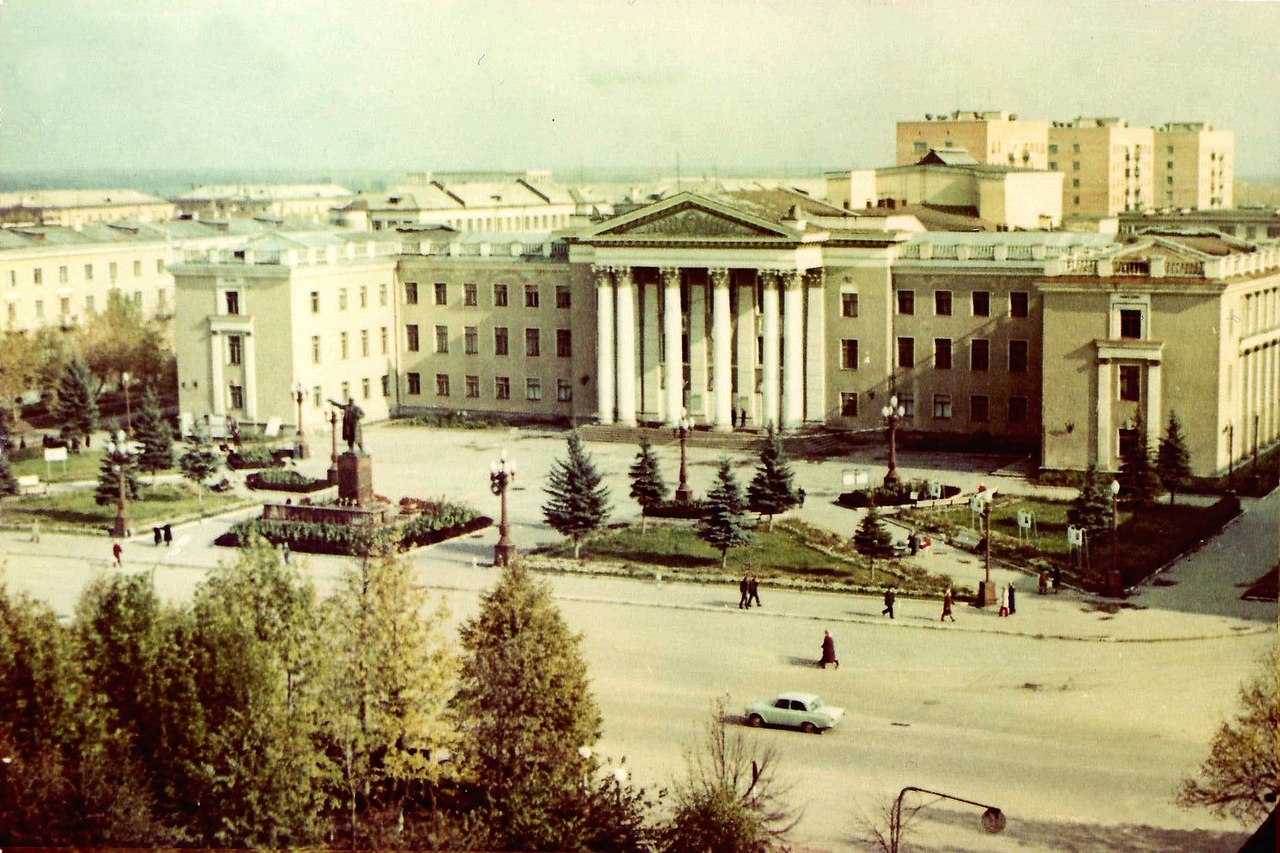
(572, 85)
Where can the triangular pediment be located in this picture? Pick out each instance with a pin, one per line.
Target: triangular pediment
(690, 217)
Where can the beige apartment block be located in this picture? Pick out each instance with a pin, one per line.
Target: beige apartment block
(306, 202)
(1195, 166)
(74, 208)
(1109, 167)
(993, 137)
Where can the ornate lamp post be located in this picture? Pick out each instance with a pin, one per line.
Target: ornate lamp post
(993, 819)
(302, 444)
(128, 415)
(120, 529)
(1114, 586)
(501, 473)
(892, 413)
(684, 494)
(987, 592)
(333, 452)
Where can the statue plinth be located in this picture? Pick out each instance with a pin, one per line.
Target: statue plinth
(355, 478)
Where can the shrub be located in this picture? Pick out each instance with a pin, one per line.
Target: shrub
(284, 480)
(675, 509)
(894, 495)
(252, 457)
(443, 521)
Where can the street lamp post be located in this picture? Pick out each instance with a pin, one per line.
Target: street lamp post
(684, 494)
(501, 474)
(892, 413)
(1114, 587)
(118, 448)
(302, 444)
(128, 415)
(333, 452)
(993, 819)
(987, 594)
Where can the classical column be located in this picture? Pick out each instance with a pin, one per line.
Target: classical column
(792, 350)
(698, 348)
(604, 344)
(250, 380)
(217, 393)
(671, 340)
(769, 308)
(746, 329)
(1272, 402)
(1155, 425)
(815, 351)
(626, 348)
(721, 364)
(1104, 416)
(651, 354)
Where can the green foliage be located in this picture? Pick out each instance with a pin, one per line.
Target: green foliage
(119, 340)
(1244, 757)
(152, 431)
(647, 486)
(872, 539)
(6, 430)
(199, 461)
(75, 409)
(115, 461)
(527, 717)
(252, 457)
(1137, 476)
(772, 490)
(8, 482)
(579, 503)
(408, 531)
(725, 525)
(283, 477)
(1092, 508)
(1173, 459)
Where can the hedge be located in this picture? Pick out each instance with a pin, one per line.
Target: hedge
(284, 480)
(675, 509)
(252, 457)
(893, 495)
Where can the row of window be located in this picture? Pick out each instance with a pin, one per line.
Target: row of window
(501, 341)
(501, 387)
(64, 272)
(64, 305)
(1016, 408)
(979, 354)
(362, 295)
(501, 295)
(980, 303)
(344, 344)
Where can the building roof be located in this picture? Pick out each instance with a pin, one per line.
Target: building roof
(948, 157)
(51, 199)
(934, 217)
(265, 192)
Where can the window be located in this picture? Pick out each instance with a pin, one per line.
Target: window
(159, 265)
(908, 404)
(562, 296)
(979, 409)
(386, 385)
(137, 298)
(1019, 303)
(848, 404)
(471, 340)
(1017, 410)
(1053, 148)
(37, 276)
(342, 299)
(364, 388)
(442, 339)
(473, 386)
(364, 297)
(982, 303)
(442, 293)
(942, 407)
(1130, 383)
(848, 354)
(942, 303)
(979, 354)
(411, 337)
(382, 333)
(1053, 165)
(88, 304)
(235, 349)
(502, 388)
(564, 391)
(469, 294)
(233, 302)
(1131, 323)
(137, 269)
(346, 391)
(364, 341)
(317, 398)
(564, 343)
(849, 305)
(88, 272)
(66, 305)
(1075, 183)
(315, 302)
(343, 342)
(112, 271)
(920, 147)
(499, 296)
(906, 352)
(533, 389)
(237, 397)
(532, 342)
(1075, 148)
(1017, 356)
(531, 296)
(906, 302)
(382, 293)
(501, 341)
(39, 309)
(942, 353)
(442, 385)
(410, 293)
(415, 383)
(315, 349)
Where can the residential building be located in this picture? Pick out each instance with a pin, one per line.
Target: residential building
(1195, 166)
(502, 203)
(1108, 166)
(74, 208)
(308, 202)
(992, 137)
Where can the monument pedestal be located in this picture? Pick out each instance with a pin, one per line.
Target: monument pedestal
(355, 478)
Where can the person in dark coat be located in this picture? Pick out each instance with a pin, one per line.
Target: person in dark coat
(744, 593)
(1057, 578)
(913, 542)
(158, 534)
(828, 651)
(947, 602)
(889, 597)
(117, 552)
(1013, 604)
(753, 587)
(167, 530)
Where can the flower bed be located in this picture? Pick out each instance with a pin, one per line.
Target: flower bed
(283, 480)
(252, 457)
(896, 495)
(675, 509)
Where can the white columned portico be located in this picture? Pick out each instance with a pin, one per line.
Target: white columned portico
(604, 345)
(626, 310)
(1104, 415)
(792, 350)
(769, 363)
(698, 407)
(815, 351)
(746, 326)
(721, 364)
(250, 379)
(674, 367)
(217, 393)
(651, 353)
(1152, 414)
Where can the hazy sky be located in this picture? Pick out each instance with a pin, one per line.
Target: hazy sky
(805, 86)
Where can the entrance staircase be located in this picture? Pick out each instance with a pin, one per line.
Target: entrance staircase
(813, 444)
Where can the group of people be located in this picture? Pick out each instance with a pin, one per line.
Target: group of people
(163, 533)
(1008, 600)
(1045, 580)
(748, 592)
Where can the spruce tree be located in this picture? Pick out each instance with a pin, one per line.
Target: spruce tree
(1137, 475)
(725, 525)
(1091, 509)
(647, 486)
(772, 490)
(199, 462)
(113, 462)
(871, 538)
(579, 504)
(8, 483)
(76, 407)
(1173, 460)
(152, 431)
(6, 430)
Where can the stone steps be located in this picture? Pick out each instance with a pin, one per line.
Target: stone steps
(820, 443)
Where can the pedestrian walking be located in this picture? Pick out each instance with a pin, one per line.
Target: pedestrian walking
(948, 601)
(1057, 578)
(35, 531)
(117, 552)
(1004, 601)
(1044, 582)
(1013, 603)
(284, 549)
(800, 496)
(753, 587)
(913, 543)
(744, 593)
(158, 535)
(828, 651)
(889, 597)
(167, 531)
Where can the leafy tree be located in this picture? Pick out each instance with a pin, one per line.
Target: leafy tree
(1173, 460)
(152, 431)
(579, 504)
(22, 357)
(114, 462)
(1091, 509)
(76, 407)
(647, 486)
(725, 524)
(527, 718)
(731, 800)
(1243, 766)
(199, 462)
(871, 539)
(1137, 475)
(773, 489)
(119, 340)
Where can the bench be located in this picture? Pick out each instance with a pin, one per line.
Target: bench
(29, 484)
(966, 541)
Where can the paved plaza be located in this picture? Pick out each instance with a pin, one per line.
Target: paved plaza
(1075, 716)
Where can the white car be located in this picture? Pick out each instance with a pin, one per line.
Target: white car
(804, 711)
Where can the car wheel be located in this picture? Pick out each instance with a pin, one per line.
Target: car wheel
(809, 728)
(755, 721)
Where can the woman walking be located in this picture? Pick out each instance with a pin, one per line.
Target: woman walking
(947, 601)
(828, 651)
(1004, 601)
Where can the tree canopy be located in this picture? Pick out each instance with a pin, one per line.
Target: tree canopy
(579, 503)
(871, 538)
(76, 405)
(1173, 460)
(1137, 475)
(114, 463)
(199, 462)
(647, 486)
(772, 489)
(725, 524)
(152, 431)
(1091, 508)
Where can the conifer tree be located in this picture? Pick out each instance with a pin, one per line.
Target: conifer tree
(579, 504)
(76, 407)
(152, 431)
(647, 486)
(8, 482)
(113, 462)
(1173, 460)
(6, 430)
(199, 462)
(1137, 476)
(1091, 509)
(772, 490)
(871, 538)
(725, 525)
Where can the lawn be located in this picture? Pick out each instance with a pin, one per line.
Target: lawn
(791, 550)
(79, 466)
(158, 504)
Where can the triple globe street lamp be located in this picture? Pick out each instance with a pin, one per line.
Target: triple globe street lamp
(302, 444)
(119, 450)
(1114, 587)
(684, 494)
(501, 475)
(892, 414)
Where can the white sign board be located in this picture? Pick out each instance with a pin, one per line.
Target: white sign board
(853, 478)
(273, 428)
(1024, 518)
(55, 454)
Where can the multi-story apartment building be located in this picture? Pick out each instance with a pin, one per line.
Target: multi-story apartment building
(1109, 166)
(1248, 223)
(1195, 166)
(73, 208)
(991, 137)
(513, 204)
(308, 202)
